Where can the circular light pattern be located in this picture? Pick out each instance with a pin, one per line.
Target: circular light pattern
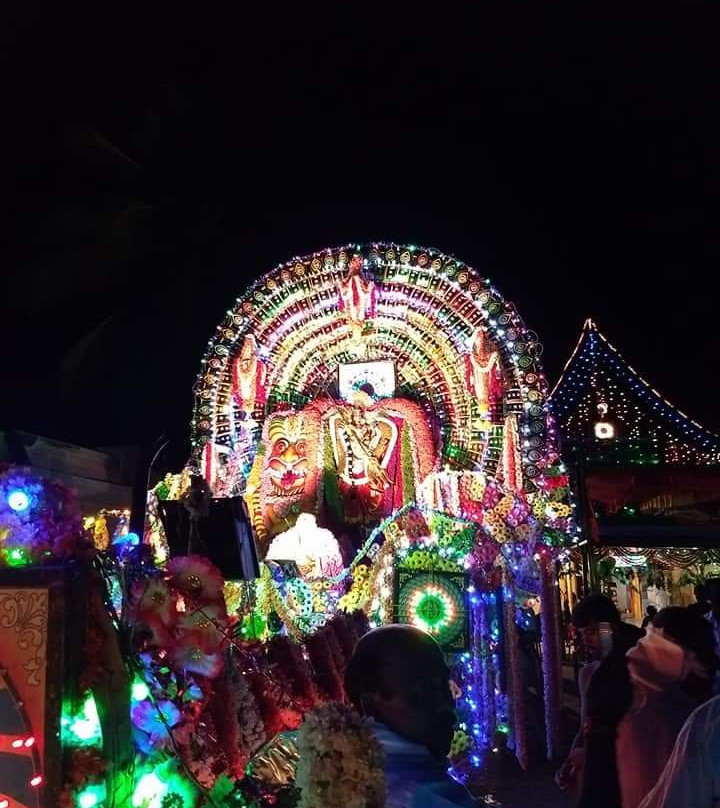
(604, 430)
(422, 310)
(18, 500)
(436, 603)
(431, 609)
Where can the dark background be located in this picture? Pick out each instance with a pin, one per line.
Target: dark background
(154, 164)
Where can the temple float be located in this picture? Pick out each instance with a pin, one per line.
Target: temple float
(381, 412)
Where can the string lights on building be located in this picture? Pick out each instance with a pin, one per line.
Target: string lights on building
(599, 396)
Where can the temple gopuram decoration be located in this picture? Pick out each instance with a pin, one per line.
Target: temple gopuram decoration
(648, 478)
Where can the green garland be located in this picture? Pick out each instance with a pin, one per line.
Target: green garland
(329, 477)
(406, 461)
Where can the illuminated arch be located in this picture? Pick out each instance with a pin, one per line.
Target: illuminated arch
(427, 308)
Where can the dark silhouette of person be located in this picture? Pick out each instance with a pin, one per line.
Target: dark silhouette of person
(650, 612)
(398, 676)
(702, 601)
(588, 616)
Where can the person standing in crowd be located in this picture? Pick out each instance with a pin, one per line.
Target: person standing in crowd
(702, 602)
(588, 616)
(398, 676)
(650, 612)
(671, 672)
(691, 778)
(712, 589)
(606, 700)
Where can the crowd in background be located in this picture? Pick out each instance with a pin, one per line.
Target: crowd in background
(649, 735)
(650, 716)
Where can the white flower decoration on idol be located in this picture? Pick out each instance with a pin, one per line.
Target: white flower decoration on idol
(314, 549)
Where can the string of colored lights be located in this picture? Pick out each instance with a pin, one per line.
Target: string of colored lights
(598, 386)
(427, 309)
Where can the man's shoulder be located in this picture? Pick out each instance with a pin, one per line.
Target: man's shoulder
(706, 717)
(702, 731)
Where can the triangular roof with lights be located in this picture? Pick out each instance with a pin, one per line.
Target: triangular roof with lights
(602, 400)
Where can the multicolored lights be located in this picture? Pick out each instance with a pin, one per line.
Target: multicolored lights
(431, 609)
(421, 309)
(602, 398)
(82, 728)
(18, 500)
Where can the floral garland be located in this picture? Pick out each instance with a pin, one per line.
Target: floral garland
(341, 762)
(359, 593)
(516, 684)
(288, 658)
(550, 657)
(178, 626)
(324, 659)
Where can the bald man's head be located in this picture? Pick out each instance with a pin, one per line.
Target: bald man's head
(398, 675)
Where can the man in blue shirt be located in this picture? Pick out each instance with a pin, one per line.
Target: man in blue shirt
(398, 676)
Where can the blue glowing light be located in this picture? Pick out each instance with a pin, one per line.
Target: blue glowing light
(126, 540)
(18, 500)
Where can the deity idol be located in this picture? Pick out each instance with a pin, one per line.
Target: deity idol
(357, 298)
(364, 441)
(484, 374)
(248, 378)
(284, 478)
(347, 462)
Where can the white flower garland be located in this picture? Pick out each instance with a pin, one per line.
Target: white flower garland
(341, 762)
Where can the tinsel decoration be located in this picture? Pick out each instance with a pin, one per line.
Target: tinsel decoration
(288, 658)
(511, 460)
(337, 654)
(202, 753)
(515, 682)
(327, 676)
(275, 706)
(551, 669)
(344, 635)
(251, 733)
(225, 708)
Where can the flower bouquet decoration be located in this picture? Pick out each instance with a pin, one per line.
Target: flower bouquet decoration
(341, 762)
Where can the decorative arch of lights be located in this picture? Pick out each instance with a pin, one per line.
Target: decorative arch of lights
(428, 306)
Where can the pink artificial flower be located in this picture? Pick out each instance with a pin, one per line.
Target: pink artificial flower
(196, 577)
(152, 600)
(194, 653)
(160, 635)
(210, 620)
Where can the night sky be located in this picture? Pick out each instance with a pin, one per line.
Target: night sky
(153, 167)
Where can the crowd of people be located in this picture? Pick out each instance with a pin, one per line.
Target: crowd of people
(649, 736)
(650, 722)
